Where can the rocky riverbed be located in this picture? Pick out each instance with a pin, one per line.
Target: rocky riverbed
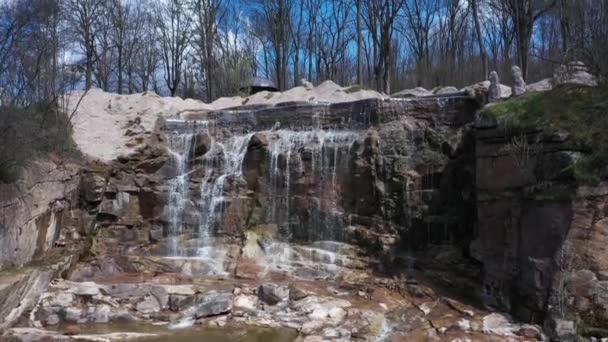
(384, 310)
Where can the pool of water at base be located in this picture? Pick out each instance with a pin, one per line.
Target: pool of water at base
(229, 333)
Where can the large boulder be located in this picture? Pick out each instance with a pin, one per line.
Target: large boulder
(542, 85)
(445, 90)
(148, 305)
(574, 73)
(415, 92)
(213, 304)
(273, 294)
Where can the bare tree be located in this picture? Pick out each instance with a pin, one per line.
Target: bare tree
(381, 16)
(83, 16)
(275, 17)
(296, 36)
(334, 40)
(208, 13)
(313, 8)
(524, 14)
(146, 54)
(359, 45)
(174, 26)
(420, 17)
(125, 35)
(103, 68)
(31, 82)
(480, 41)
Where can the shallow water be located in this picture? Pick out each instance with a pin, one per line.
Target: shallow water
(192, 334)
(228, 335)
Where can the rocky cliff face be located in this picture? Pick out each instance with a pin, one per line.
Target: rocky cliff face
(540, 231)
(286, 187)
(34, 209)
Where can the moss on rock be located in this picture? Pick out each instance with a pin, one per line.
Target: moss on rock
(581, 111)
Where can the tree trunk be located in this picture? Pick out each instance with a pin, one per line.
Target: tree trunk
(482, 47)
(119, 70)
(359, 45)
(89, 70)
(296, 71)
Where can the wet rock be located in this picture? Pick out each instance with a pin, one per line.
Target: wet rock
(497, 324)
(246, 303)
(60, 299)
(458, 306)
(87, 288)
(296, 293)
(336, 333)
(122, 315)
(125, 291)
(272, 294)
(92, 187)
(202, 144)
(312, 326)
(427, 307)
(560, 329)
(101, 314)
(326, 312)
(258, 140)
(213, 304)
(161, 295)
(178, 302)
(156, 235)
(530, 331)
(72, 314)
(464, 325)
(31, 334)
(52, 319)
(148, 306)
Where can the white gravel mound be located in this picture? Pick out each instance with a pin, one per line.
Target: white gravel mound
(326, 92)
(105, 125)
(110, 125)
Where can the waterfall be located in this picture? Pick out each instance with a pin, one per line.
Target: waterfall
(327, 148)
(286, 147)
(181, 149)
(228, 159)
(314, 159)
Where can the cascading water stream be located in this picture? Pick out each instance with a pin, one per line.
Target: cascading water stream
(327, 149)
(228, 159)
(180, 148)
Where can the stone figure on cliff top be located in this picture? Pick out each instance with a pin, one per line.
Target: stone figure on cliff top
(519, 85)
(306, 84)
(494, 89)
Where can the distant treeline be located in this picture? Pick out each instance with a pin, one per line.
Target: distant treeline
(210, 48)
